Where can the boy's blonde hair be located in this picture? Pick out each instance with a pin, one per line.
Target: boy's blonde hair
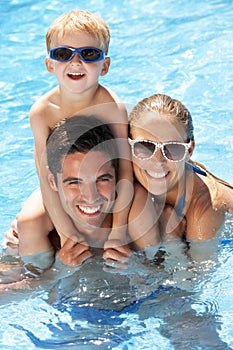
(79, 21)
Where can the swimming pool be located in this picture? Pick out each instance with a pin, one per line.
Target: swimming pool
(176, 47)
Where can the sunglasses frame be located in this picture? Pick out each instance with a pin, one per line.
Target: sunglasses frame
(157, 145)
(77, 51)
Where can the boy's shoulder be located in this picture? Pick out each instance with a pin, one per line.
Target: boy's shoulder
(44, 105)
(110, 100)
(106, 95)
(112, 95)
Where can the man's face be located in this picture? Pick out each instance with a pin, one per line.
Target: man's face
(86, 188)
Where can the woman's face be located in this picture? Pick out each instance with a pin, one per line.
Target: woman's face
(157, 174)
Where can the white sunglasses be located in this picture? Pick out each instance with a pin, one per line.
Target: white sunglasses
(172, 151)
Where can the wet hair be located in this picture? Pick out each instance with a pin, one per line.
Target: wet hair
(80, 134)
(79, 21)
(169, 107)
(164, 106)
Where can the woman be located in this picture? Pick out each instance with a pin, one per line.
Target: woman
(185, 199)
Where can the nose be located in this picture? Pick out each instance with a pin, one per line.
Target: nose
(76, 59)
(158, 156)
(90, 193)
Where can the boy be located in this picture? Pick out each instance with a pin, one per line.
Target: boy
(77, 43)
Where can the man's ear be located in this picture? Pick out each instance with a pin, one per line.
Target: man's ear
(50, 65)
(52, 182)
(106, 66)
(190, 150)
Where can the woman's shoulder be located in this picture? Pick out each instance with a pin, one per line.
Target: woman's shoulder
(220, 191)
(223, 198)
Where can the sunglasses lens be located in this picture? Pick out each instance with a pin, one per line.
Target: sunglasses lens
(91, 55)
(62, 54)
(144, 149)
(174, 151)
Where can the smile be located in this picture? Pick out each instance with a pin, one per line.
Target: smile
(89, 210)
(156, 175)
(76, 75)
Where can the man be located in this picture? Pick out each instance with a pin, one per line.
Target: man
(83, 162)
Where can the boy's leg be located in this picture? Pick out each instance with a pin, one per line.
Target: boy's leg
(33, 226)
(31, 233)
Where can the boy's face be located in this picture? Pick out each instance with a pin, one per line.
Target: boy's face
(76, 75)
(86, 188)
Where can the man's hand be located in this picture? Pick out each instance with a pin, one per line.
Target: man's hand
(116, 255)
(74, 253)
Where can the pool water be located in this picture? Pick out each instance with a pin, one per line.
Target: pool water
(180, 48)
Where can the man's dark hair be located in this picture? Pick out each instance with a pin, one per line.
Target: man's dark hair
(80, 134)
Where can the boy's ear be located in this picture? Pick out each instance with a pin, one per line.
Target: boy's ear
(49, 65)
(52, 182)
(191, 149)
(106, 66)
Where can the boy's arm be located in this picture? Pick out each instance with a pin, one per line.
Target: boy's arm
(125, 187)
(52, 203)
(143, 220)
(61, 221)
(122, 203)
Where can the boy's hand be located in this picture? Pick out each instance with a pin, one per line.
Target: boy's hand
(116, 255)
(74, 253)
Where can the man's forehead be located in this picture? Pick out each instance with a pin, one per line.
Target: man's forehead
(85, 164)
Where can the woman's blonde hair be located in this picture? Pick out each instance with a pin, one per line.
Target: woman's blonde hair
(167, 106)
(79, 21)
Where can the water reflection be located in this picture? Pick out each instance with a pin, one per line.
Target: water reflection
(165, 299)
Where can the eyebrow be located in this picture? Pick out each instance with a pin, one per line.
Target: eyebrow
(69, 179)
(109, 176)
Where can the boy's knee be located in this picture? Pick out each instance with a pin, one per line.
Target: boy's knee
(23, 222)
(37, 224)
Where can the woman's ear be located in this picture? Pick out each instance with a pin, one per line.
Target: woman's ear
(190, 150)
(106, 66)
(52, 182)
(50, 65)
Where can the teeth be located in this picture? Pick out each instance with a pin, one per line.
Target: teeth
(157, 175)
(89, 210)
(76, 74)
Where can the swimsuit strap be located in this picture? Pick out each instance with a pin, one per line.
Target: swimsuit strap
(196, 169)
(180, 206)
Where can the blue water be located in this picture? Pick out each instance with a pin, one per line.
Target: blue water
(178, 47)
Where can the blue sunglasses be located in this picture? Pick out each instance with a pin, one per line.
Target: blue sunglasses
(86, 54)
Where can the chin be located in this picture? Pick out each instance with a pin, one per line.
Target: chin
(157, 191)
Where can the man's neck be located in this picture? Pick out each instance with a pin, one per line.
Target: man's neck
(96, 237)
